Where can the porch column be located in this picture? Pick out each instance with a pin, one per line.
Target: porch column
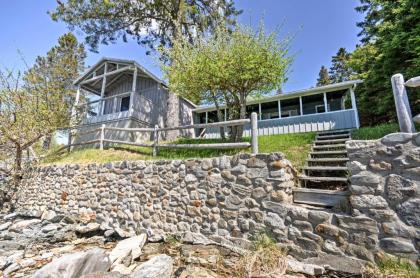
(225, 114)
(325, 102)
(102, 105)
(354, 107)
(259, 111)
(207, 117)
(301, 106)
(279, 107)
(133, 90)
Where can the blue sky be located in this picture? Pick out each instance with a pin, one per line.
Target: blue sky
(320, 28)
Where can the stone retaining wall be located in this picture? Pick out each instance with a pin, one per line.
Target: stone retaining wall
(385, 186)
(229, 199)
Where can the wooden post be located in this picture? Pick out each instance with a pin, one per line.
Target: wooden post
(254, 133)
(102, 103)
(259, 111)
(279, 107)
(101, 140)
(301, 106)
(155, 140)
(402, 105)
(354, 107)
(133, 90)
(325, 103)
(69, 141)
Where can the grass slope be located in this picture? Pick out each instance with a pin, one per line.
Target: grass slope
(294, 146)
(376, 132)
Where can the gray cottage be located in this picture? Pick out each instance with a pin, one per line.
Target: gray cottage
(124, 94)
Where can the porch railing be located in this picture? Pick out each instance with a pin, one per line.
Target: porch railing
(109, 108)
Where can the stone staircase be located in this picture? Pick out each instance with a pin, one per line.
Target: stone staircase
(324, 181)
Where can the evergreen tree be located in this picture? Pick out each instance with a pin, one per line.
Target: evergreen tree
(390, 40)
(339, 70)
(151, 23)
(61, 66)
(323, 78)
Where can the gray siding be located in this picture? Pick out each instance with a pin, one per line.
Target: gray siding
(344, 119)
(186, 117)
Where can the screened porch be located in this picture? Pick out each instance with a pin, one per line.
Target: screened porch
(317, 109)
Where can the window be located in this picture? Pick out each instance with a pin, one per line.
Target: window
(269, 110)
(336, 99)
(312, 104)
(320, 108)
(202, 118)
(125, 104)
(252, 108)
(212, 116)
(290, 107)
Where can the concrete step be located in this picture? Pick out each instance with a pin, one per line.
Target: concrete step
(325, 168)
(332, 159)
(329, 153)
(319, 197)
(318, 179)
(337, 131)
(330, 141)
(334, 146)
(334, 136)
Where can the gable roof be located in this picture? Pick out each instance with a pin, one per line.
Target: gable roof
(85, 75)
(98, 64)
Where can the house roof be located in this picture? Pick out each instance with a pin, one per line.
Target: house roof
(311, 91)
(98, 64)
(117, 61)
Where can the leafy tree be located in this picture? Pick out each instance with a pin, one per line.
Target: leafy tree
(151, 23)
(36, 103)
(339, 70)
(234, 65)
(324, 78)
(390, 38)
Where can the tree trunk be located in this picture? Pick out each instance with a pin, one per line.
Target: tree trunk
(17, 176)
(46, 143)
(242, 115)
(220, 117)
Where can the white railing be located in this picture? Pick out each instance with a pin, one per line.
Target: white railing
(107, 108)
(402, 105)
(101, 140)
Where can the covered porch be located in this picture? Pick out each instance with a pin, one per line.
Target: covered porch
(316, 109)
(112, 90)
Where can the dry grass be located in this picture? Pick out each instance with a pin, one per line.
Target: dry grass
(391, 267)
(265, 259)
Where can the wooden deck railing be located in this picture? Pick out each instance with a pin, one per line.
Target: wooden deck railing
(155, 145)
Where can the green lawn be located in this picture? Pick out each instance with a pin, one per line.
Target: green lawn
(295, 146)
(376, 132)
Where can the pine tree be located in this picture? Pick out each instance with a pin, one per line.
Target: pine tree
(324, 78)
(339, 70)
